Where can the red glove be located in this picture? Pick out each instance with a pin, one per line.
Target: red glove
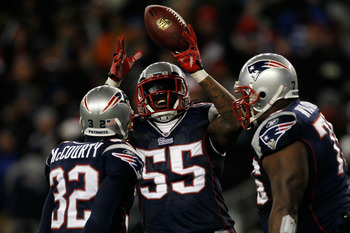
(121, 64)
(190, 60)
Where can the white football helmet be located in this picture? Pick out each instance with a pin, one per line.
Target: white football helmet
(162, 91)
(263, 80)
(105, 111)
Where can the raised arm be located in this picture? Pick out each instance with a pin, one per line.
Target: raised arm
(224, 130)
(121, 64)
(191, 61)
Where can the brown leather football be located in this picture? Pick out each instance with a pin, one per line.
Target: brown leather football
(165, 26)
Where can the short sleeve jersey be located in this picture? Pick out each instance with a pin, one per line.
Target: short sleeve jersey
(327, 196)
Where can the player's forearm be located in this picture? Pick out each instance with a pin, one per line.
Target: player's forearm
(221, 98)
(280, 222)
(284, 207)
(286, 199)
(288, 173)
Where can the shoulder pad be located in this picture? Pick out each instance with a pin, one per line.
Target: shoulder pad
(123, 151)
(275, 133)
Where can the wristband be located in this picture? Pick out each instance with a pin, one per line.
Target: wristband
(112, 83)
(288, 225)
(199, 75)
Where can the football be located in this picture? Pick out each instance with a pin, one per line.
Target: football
(165, 27)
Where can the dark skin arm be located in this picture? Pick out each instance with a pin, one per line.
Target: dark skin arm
(225, 129)
(288, 173)
(222, 132)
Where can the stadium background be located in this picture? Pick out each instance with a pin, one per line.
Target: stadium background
(53, 51)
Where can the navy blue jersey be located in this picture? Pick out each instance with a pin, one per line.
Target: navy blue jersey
(180, 189)
(326, 199)
(76, 170)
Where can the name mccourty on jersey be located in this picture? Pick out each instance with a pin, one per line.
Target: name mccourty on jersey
(75, 152)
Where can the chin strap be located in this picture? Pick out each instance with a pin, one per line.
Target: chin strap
(123, 133)
(164, 116)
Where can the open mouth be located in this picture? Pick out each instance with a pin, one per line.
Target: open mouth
(160, 104)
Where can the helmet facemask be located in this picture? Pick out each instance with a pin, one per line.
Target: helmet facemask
(243, 107)
(162, 97)
(263, 80)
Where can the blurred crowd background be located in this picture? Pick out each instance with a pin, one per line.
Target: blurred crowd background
(53, 51)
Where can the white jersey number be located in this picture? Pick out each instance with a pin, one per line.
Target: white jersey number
(262, 197)
(90, 180)
(176, 161)
(324, 128)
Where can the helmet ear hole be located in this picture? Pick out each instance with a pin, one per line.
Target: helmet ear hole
(262, 95)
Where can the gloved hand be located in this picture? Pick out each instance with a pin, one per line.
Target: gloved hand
(121, 64)
(190, 60)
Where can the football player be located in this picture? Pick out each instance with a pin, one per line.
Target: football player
(299, 170)
(92, 183)
(183, 144)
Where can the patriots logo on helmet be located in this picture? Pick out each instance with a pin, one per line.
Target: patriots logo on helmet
(256, 68)
(118, 97)
(273, 134)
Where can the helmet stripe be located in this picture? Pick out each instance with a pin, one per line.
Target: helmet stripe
(85, 104)
(277, 64)
(113, 101)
